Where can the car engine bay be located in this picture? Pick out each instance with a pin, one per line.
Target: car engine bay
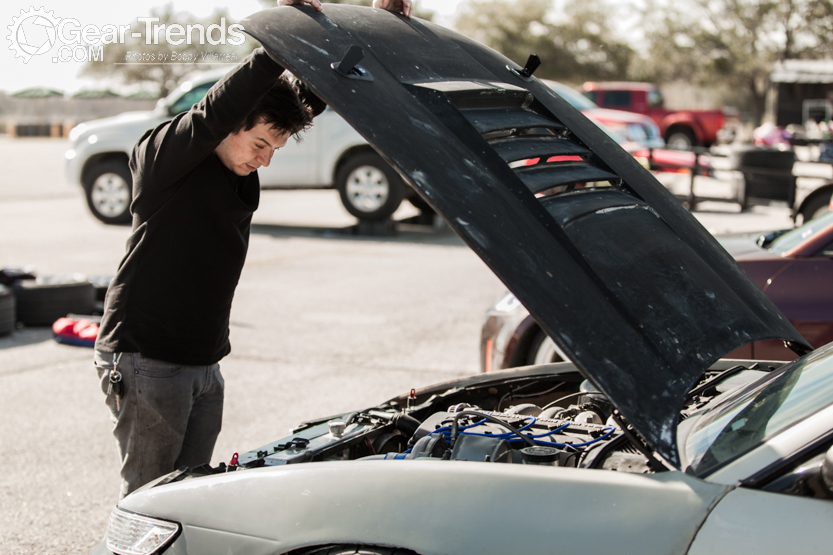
(556, 419)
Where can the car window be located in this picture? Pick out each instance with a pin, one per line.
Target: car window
(655, 99)
(795, 237)
(617, 99)
(758, 412)
(184, 102)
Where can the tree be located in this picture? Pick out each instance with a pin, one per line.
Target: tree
(734, 43)
(418, 12)
(575, 44)
(817, 27)
(135, 61)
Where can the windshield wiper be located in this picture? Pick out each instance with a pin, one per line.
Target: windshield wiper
(765, 240)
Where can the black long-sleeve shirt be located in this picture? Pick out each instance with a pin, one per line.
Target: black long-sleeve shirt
(172, 294)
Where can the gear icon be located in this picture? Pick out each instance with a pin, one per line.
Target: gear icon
(42, 29)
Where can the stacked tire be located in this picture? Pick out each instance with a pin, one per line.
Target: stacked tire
(43, 300)
(7, 311)
(100, 284)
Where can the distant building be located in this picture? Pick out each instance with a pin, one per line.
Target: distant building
(49, 113)
(800, 90)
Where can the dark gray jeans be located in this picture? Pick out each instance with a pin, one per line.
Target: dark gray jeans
(169, 415)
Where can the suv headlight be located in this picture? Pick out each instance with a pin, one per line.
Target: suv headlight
(134, 534)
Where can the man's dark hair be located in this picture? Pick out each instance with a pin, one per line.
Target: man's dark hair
(286, 107)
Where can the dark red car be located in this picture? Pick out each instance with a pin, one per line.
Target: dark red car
(794, 268)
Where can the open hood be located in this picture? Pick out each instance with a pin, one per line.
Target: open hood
(632, 288)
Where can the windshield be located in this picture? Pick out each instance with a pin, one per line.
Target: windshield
(655, 99)
(795, 237)
(190, 98)
(573, 97)
(760, 411)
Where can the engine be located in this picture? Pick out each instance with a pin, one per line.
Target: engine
(556, 419)
(569, 429)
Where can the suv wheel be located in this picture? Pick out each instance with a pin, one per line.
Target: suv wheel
(370, 189)
(109, 189)
(43, 300)
(680, 138)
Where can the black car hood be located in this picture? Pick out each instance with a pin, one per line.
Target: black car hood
(632, 288)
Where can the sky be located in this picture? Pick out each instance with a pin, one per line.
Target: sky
(41, 71)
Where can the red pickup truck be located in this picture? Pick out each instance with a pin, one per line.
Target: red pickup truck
(682, 129)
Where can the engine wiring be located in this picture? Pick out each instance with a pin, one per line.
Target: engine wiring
(515, 435)
(455, 425)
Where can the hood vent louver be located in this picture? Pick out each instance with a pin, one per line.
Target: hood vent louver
(543, 154)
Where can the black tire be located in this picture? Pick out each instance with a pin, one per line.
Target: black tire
(542, 350)
(369, 188)
(8, 318)
(680, 138)
(815, 207)
(100, 284)
(109, 191)
(43, 300)
(357, 550)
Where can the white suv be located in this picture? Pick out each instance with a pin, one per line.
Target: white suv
(331, 154)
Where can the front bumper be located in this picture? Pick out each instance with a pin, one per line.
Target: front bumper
(101, 549)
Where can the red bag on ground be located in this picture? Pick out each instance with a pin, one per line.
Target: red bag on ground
(75, 331)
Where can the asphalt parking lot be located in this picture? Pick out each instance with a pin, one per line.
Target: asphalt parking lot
(322, 322)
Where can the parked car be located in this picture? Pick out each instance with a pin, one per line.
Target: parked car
(794, 268)
(331, 155)
(682, 129)
(636, 133)
(701, 448)
(632, 131)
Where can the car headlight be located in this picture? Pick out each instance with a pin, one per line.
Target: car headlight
(134, 534)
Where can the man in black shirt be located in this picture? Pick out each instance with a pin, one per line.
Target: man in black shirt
(165, 326)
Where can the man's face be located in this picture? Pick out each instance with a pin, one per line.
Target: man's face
(245, 151)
